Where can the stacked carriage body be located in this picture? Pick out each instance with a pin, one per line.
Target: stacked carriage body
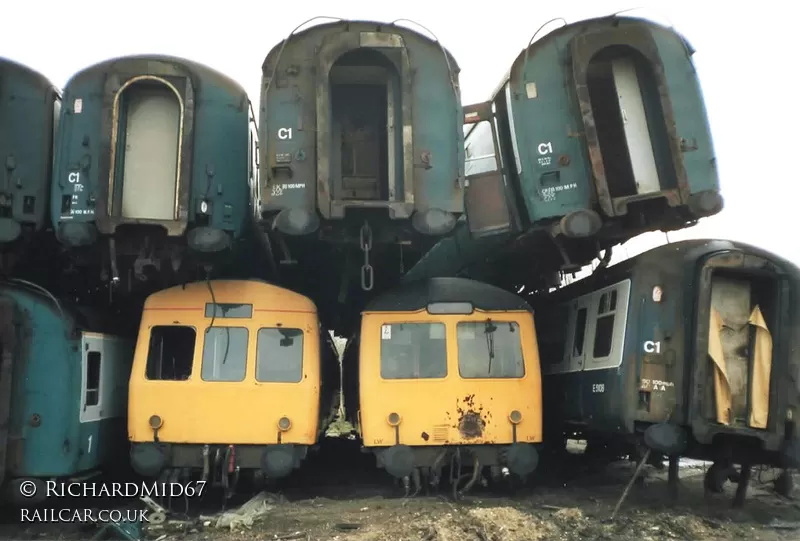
(690, 348)
(29, 107)
(63, 388)
(600, 133)
(361, 118)
(229, 377)
(361, 151)
(156, 154)
(608, 115)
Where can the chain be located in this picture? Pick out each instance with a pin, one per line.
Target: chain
(367, 272)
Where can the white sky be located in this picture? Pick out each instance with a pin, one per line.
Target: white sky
(745, 55)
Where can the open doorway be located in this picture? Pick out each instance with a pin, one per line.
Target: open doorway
(742, 321)
(365, 107)
(148, 149)
(629, 118)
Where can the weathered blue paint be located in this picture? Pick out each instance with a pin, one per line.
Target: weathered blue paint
(451, 255)
(551, 167)
(217, 157)
(46, 437)
(688, 106)
(29, 105)
(560, 115)
(550, 118)
(299, 168)
(628, 403)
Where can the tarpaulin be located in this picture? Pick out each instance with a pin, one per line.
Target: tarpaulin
(761, 370)
(762, 367)
(722, 387)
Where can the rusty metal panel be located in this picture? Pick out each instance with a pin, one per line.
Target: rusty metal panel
(425, 160)
(485, 202)
(678, 123)
(637, 39)
(558, 127)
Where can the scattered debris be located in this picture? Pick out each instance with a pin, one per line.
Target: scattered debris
(551, 507)
(347, 526)
(246, 515)
(784, 525)
(287, 536)
(544, 513)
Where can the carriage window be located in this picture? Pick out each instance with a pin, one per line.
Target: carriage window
(489, 349)
(224, 354)
(413, 351)
(580, 333)
(171, 353)
(479, 149)
(279, 355)
(604, 328)
(92, 396)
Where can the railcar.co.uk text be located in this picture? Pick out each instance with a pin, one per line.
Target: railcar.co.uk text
(83, 515)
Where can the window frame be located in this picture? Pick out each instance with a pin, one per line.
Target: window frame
(591, 303)
(614, 358)
(246, 353)
(149, 345)
(518, 332)
(86, 388)
(302, 354)
(412, 322)
(477, 130)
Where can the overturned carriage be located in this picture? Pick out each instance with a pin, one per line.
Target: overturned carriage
(689, 349)
(29, 109)
(443, 375)
(155, 168)
(597, 134)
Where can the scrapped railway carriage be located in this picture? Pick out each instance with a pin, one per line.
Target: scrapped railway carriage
(63, 390)
(230, 377)
(446, 373)
(29, 109)
(362, 151)
(597, 134)
(155, 168)
(690, 349)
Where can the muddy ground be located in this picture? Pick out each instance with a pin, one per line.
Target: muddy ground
(338, 495)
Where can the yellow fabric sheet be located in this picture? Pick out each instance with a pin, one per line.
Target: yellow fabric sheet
(762, 367)
(722, 387)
